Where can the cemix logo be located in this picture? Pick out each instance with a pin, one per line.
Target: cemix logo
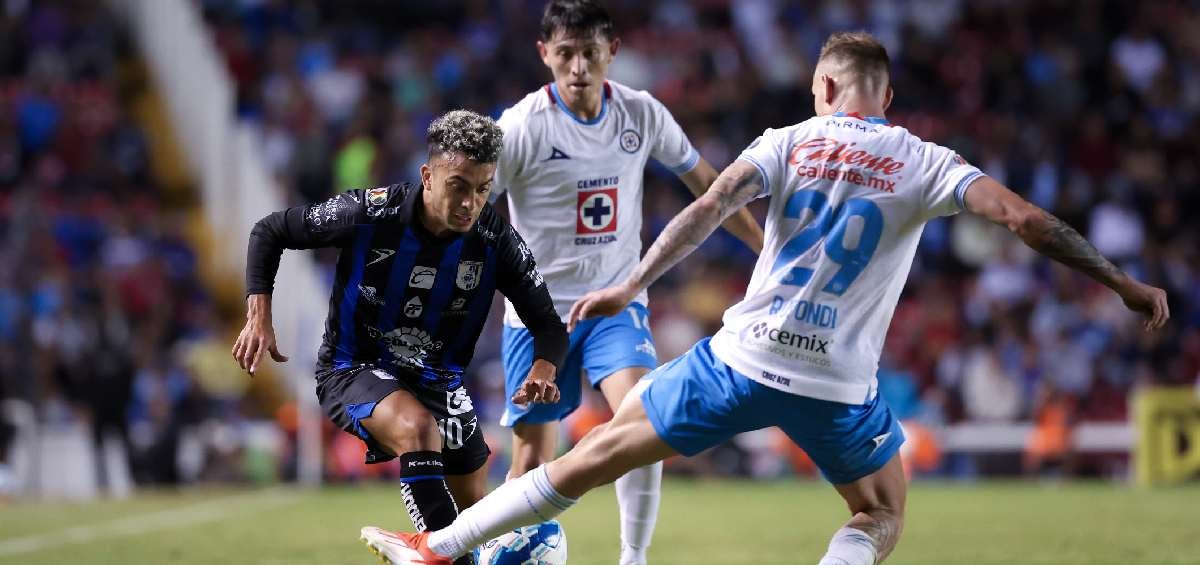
(811, 342)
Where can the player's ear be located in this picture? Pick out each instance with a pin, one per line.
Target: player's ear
(887, 98)
(830, 89)
(613, 46)
(543, 52)
(426, 173)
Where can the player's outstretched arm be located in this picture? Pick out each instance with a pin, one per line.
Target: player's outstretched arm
(258, 335)
(524, 286)
(742, 224)
(323, 224)
(1053, 238)
(734, 188)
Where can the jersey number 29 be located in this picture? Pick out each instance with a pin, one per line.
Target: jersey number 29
(831, 226)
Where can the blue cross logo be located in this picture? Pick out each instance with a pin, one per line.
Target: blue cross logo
(597, 211)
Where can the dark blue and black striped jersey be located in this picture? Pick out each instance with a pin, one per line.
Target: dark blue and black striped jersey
(402, 298)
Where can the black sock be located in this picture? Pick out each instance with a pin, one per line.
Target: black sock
(428, 500)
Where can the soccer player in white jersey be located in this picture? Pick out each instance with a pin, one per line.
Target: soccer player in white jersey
(849, 197)
(574, 156)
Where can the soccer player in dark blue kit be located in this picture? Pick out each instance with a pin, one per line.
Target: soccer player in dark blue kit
(418, 268)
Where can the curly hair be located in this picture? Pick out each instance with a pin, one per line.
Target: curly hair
(462, 131)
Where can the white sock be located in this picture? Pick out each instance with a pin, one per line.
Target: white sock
(523, 501)
(638, 492)
(850, 547)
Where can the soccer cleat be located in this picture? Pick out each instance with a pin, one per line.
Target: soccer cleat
(399, 548)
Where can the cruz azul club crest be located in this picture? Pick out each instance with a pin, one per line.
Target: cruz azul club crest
(597, 211)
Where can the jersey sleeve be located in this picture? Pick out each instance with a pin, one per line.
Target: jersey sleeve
(947, 176)
(671, 146)
(323, 224)
(769, 156)
(512, 156)
(520, 282)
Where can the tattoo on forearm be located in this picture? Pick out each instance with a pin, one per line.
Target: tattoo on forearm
(1056, 240)
(694, 224)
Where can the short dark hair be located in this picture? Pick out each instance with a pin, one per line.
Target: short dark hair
(462, 131)
(576, 18)
(863, 55)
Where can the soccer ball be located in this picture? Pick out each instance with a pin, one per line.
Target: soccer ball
(543, 544)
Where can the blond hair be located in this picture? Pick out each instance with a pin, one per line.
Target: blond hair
(859, 54)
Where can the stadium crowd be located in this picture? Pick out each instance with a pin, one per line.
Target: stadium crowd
(103, 319)
(1088, 109)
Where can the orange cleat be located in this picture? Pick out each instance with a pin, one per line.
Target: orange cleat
(400, 548)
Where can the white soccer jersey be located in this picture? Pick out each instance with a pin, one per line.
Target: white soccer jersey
(849, 198)
(575, 187)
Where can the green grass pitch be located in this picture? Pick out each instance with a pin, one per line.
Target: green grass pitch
(702, 522)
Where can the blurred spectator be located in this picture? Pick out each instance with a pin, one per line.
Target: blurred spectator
(1087, 108)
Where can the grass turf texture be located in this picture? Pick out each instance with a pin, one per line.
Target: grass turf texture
(702, 522)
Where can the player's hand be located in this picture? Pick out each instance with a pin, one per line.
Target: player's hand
(538, 386)
(604, 302)
(1147, 300)
(257, 336)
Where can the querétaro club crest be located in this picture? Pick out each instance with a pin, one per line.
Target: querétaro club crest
(410, 346)
(468, 274)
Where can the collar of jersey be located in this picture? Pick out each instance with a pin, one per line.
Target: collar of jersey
(869, 119)
(563, 106)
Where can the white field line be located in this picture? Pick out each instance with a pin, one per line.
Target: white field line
(209, 511)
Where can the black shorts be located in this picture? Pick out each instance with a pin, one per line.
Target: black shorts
(349, 395)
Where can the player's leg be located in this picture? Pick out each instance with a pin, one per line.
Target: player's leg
(628, 441)
(683, 407)
(639, 490)
(469, 488)
(876, 504)
(403, 426)
(535, 426)
(533, 444)
(617, 354)
(856, 447)
(463, 447)
(383, 411)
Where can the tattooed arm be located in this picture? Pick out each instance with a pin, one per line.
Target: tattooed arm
(742, 223)
(734, 188)
(1051, 237)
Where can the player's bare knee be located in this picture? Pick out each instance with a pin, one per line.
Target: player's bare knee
(411, 432)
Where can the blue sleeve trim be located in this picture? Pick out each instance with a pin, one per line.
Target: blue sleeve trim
(960, 191)
(416, 478)
(690, 163)
(761, 170)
